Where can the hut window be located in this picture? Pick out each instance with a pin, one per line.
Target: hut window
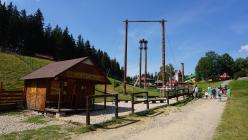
(65, 84)
(55, 87)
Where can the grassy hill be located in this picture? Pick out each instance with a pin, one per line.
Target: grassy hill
(13, 67)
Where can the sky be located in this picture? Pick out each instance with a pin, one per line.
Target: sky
(193, 27)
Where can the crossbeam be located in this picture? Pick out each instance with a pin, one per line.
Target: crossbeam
(143, 21)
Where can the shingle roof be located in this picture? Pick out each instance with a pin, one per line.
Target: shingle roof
(53, 69)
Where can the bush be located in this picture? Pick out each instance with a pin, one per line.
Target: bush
(239, 74)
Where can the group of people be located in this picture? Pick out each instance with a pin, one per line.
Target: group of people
(217, 92)
(214, 92)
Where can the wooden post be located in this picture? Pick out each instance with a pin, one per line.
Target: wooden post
(145, 48)
(60, 92)
(87, 110)
(125, 57)
(140, 61)
(167, 98)
(116, 106)
(182, 72)
(171, 76)
(163, 56)
(105, 92)
(147, 101)
(176, 91)
(132, 102)
(1, 87)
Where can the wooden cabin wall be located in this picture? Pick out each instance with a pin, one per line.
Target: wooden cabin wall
(36, 94)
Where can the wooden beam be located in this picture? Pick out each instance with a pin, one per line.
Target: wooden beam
(143, 21)
(125, 58)
(60, 92)
(116, 106)
(1, 87)
(105, 92)
(87, 110)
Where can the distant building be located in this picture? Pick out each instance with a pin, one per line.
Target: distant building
(224, 76)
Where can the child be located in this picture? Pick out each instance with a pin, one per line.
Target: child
(210, 92)
(214, 93)
(206, 94)
(228, 92)
(218, 93)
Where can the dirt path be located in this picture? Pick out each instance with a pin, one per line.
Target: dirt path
(196, 120)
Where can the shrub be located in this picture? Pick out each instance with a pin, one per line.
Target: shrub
(239, 74)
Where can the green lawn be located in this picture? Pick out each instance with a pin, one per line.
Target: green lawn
(13, 67)
(234, 123)
(204, 85)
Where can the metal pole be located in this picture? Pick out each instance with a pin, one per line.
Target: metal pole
(182, 72)
(140, 61)
(125, 56)
(145, 48)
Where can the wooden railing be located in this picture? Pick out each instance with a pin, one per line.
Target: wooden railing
(11, 99)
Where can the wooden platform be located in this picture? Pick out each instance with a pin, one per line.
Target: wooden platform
(65, 110)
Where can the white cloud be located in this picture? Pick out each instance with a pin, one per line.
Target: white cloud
(244, 48)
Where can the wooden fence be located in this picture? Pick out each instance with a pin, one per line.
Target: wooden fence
(93, 97)
(145, 100)
(11, 99)
(174, 93)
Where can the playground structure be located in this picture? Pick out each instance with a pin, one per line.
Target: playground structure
(143, 45)
(126, 45)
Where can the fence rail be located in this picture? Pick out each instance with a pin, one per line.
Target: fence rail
(11, 99)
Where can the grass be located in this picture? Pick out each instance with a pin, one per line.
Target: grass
(36, 120)
(52, 132)
(10, 113)
(204, 85)
(13, 67)
(234, 123)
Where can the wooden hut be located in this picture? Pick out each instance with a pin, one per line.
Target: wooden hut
(62, 85)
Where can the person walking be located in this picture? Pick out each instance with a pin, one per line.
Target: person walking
(210, 92)
(214, 93)
(218, 93)
(228, 93)
(196, 90)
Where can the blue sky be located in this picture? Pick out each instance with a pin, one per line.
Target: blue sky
(193, 27)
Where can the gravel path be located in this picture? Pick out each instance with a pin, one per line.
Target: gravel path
(16, 123)
(196, 120)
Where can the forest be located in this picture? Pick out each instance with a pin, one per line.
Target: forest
(213, 64)
(26, 34)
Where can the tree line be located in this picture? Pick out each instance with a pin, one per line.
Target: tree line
(27, 35)
(212, 65)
